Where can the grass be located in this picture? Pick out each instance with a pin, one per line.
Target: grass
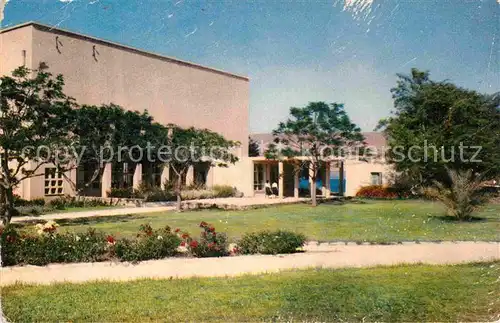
(373, 221)
(402, 293)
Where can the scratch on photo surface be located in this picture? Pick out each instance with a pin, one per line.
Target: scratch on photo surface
(411, 60)
(191, 33)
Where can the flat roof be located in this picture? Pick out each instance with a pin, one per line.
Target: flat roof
(121, 46)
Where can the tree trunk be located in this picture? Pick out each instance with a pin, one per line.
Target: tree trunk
(178, 193)
(9, 208)
(7, 193)
(313, 192)
(3, 204)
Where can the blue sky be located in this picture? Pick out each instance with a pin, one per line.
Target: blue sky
(299, 51)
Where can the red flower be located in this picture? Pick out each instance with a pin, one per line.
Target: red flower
(185, 236)
(193, 244)
(183, 243)
(203, 224)
(177, 230)
(49, 229)
(211, 229)
(110, 240)
(211, 245)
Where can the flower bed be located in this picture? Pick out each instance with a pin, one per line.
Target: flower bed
(47, 245)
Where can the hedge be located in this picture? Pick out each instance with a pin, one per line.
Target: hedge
(47, 245)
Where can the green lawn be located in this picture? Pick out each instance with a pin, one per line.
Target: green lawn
(374, 221)
(402, 293)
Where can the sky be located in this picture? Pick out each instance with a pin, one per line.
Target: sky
(294, 52)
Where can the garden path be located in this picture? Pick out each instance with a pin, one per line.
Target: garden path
(317, 255)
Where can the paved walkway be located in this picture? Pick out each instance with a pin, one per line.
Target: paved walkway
(323, 255)
(230, 202)
(88, 214)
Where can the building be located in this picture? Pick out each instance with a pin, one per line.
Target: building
(342, 176)
(98, 72)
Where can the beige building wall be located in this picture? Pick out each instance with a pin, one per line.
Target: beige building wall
(14, 46)
(358, 174)
(173, 91)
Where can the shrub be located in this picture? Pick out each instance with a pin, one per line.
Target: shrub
(196, 187)
(223, 191)
(61, 203)
(50, 247)
(271, 242)
(8, 242)
(211, 243)
(33, 210)
(463, 196)
(169, 185)
(159, 195)
(121, 192)
(197, 194)
(152, 194)
(376, 192)
(150, 244)
(192, 192)
(19, 202)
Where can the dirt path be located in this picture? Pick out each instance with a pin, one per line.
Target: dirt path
(323, 255)
(88, 214)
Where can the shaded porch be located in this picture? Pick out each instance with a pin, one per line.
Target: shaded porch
(294, 182)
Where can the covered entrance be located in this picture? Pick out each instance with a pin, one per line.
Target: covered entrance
(294, 182)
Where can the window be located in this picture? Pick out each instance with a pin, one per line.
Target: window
(53, 182)
(258, 177)
(376, 178)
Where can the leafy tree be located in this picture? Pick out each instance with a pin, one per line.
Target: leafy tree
(100, 131)
(188, 146)
(438, 129)
(312, 134)
(253, 148)
(34, 112)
